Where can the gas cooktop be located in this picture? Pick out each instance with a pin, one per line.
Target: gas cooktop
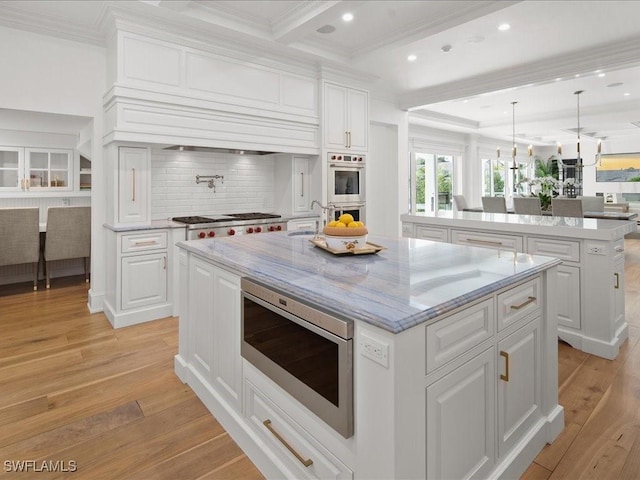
(227, 217)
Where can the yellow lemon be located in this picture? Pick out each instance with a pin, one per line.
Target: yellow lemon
(346, 218)
(360, 224)
(353, 225)
(332, 223)
(340, 225)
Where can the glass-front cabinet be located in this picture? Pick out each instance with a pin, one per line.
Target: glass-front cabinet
(36, 169)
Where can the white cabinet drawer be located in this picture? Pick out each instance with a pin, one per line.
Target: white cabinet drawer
(459, 333)
(303, 455)
(432, 233)
(519, 302)
(564, 250)
(136, 242)
(511, 243)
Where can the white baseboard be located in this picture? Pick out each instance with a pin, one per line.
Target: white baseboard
(126, 319)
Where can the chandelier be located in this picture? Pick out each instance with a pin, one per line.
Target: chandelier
(579, 163)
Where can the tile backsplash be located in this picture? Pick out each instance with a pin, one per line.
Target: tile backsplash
(248, 184)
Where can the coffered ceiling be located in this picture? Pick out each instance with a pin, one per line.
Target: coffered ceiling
(552, 49)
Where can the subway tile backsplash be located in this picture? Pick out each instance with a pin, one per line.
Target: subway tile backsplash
(248, 184)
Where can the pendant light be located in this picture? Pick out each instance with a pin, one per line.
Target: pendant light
(579, 163)
(514, 164)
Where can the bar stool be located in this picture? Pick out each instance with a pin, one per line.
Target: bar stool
(68, 236)
(20, 238)
(527, 206)
(494, 204)
(566, 207)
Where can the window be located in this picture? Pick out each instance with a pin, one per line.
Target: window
(498, 178)
(431, 182)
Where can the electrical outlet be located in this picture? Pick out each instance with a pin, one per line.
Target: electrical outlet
(376, 350)
(65, 202)
(596, 250)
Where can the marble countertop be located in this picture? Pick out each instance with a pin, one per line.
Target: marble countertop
(571, 227)
(409, 283)
(154, 225)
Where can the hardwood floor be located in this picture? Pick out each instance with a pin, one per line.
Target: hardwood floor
(100, 401)
(107, 403)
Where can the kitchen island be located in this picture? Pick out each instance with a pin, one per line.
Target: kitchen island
(590, 279)
(454, 356)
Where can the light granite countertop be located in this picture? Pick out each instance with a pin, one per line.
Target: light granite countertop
(571, 227)
(410, 282)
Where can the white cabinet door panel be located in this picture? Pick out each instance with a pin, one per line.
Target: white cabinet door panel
(144, 280)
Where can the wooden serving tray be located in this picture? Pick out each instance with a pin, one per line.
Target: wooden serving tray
(368, 249)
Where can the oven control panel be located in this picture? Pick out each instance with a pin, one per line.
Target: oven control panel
(346, 158)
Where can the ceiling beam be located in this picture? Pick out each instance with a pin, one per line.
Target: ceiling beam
(308, 16)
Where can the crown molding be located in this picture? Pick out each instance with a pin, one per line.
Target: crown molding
(49, 25)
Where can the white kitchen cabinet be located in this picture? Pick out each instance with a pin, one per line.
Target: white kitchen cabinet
(461, 420)
(214, 328)
(519, 392)
(138, 281)
(346, 118)
(301, 200)
(618, 292)
(295, 184)
(144, 280)
(134, 177)
(33, 170)
(462, 429)
(303, 225)
(569, 311)
(510, 243)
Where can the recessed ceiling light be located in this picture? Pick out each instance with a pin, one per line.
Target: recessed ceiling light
(347, 17)
(577, 75)
(558, 79)
(412, 57)
(326, 29)
(601, 75)
(627, 94)
(503, 27)
(445, 48)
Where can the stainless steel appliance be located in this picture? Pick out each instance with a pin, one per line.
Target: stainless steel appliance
(306, 351)
(346, 179)
(231, 224)
(357, 211)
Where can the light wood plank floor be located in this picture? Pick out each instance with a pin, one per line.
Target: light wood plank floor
(104, 401)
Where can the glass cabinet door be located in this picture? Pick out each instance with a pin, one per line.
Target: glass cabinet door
(11, 168)
(49, 169)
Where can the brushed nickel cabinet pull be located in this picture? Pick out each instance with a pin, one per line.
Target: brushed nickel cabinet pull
(145, 243)
(302, 184)
(619, 249)
(483, 242)
(164, 263)
(307, 463)
(505, 355)
(346, 139)
(523, 304)
(133, 185)
(617, 285)
(349, 137)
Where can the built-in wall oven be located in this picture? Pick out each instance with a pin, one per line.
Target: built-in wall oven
(305, 350)
(346, 178)
(357, 211)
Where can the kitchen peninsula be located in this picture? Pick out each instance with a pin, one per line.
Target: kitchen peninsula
(452, 361)
(590, 279)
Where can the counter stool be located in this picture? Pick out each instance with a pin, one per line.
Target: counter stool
(68, 236)
(20, 238)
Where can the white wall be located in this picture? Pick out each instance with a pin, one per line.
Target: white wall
(388, 168)
(47, 74)
(248, 184)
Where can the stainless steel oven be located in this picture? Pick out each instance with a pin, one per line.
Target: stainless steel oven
(357, 211)
(346, 178)
(306, 351)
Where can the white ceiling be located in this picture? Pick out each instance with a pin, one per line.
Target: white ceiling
(552, 50)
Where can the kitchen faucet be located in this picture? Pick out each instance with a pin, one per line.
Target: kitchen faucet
(329, 209)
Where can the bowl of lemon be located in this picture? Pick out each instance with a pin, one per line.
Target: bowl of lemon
(345, 234)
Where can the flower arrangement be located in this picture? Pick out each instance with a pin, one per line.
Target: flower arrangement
(548, 187)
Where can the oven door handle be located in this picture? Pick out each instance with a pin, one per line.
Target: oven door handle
(345, 167)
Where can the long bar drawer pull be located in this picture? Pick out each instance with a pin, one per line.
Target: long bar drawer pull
(619, 249)
(524, 304)
(145, 243)
(133, 185)
(617, 285)
(307, 463)
(483, 242)
(505, 355)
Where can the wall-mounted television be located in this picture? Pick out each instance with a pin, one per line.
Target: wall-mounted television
(618, 167)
